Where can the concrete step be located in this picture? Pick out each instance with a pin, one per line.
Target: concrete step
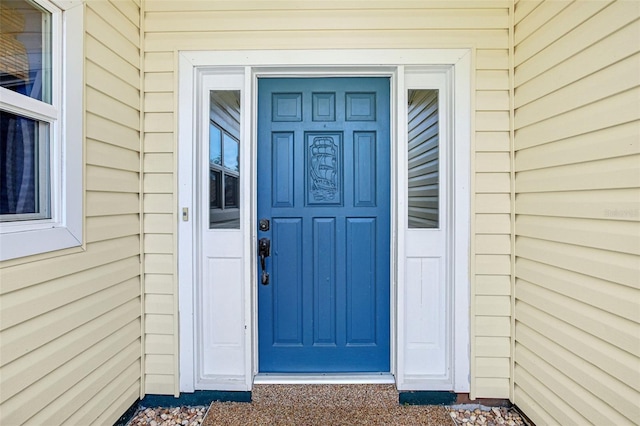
(299, 395)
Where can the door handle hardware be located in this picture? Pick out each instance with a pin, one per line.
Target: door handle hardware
(264, 251)
(263, 225)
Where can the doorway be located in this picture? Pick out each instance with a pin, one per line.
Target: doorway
(428, 313)
(323, 204)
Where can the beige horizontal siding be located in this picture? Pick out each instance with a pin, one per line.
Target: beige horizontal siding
(618, 204)
(338, 5)
(493, 347)
(101, 129)
(617, 236)
(100, 228)
(323, 20)
(338, 39)
(220, 25)
(108, 156)
(619, 77)
(70, 325)
(99, 53)
(577, 150)
(582, 58)
(585, 119)
(611, 173)
(621, 140)
(492, 223)
(108, 83)
(24, 275)
(493, 141)
(36, 300)
(491, 300)
(100, 28)
(571, 16)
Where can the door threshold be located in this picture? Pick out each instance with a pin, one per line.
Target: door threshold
(324, 378)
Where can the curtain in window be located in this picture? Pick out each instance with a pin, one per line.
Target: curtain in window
(17, 165)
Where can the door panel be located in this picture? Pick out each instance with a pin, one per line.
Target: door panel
(324, 281)
(323, 182)
(287, 267)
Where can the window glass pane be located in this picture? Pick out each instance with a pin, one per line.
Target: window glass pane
(224, 159)
(230, 153)
(215, 180)
(24, 168)
(25, 56)
(215, 147)
(231, 195)
(423, 159)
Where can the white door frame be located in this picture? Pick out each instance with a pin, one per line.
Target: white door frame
(192, 66)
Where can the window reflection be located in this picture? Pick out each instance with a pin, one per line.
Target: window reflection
(230, 153)
(224, 159)
(215, 201)
(230, 191)
(25, 61)
(423, 159)
(215, 148)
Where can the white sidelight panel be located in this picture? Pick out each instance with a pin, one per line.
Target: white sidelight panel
(425, 323)
(427, 345)
(220, 148)
(213, 257)
(222, 303)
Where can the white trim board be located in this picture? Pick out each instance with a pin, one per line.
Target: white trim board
(194, 66)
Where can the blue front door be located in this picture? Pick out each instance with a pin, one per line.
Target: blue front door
(323, 185)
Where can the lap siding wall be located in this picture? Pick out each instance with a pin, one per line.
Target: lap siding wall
(171, 26)
(577, 228)
(70, 323)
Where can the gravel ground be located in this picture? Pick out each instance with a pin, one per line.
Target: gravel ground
(184, 416)
(476, 415)
(325, 405)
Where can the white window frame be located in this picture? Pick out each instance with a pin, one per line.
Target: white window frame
(64, 229)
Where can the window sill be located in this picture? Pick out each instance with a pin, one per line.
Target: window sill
(27, 243)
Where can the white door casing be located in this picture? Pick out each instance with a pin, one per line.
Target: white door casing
(217, 268)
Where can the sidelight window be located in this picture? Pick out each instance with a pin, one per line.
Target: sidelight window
(224, 160)
(423, 158)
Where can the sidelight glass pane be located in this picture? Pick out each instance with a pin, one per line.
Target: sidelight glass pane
(24, 168)
(215, 198)
(230, 153)
(25, 55)
(224, 159)
(231, 195)
(215, 145)
(423, 159)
